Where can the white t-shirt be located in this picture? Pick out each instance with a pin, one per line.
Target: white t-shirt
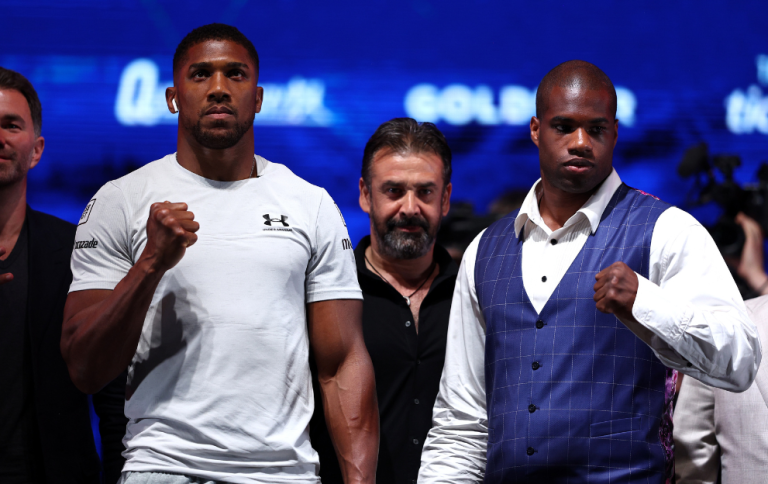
(220, 386)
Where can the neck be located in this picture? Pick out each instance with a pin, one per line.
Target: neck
(557, 206)
(406, 272)
(229, 164)
(13, 209)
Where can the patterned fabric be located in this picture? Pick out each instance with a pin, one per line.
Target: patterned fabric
(572, 394)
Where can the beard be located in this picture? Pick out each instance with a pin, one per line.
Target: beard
(404, 245)
(13, 172)
(218, 139)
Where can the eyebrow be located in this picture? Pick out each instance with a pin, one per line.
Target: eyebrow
(393, 183)
(209, 65)
(563, 119)
(13, 117)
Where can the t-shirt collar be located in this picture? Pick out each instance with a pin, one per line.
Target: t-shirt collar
(592, 210)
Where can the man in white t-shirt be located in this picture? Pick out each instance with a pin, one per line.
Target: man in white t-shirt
(212, 303)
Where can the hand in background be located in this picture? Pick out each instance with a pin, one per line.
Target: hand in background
(7, 277)
(751, 267)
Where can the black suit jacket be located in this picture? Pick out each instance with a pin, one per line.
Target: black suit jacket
(63, 417)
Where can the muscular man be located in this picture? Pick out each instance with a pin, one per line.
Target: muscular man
(208, 273)
(571, 315)
(407, 281)
(45, 428)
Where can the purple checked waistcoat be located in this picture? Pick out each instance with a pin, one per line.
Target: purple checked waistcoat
(573, 396)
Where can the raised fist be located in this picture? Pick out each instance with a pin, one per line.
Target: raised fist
(170, 230)
(7, 277)
(616, 289)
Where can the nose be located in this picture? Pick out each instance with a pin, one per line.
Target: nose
(218, 90)
(580, 142)
(410, 205)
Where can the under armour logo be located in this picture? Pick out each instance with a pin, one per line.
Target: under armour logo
(269, 220)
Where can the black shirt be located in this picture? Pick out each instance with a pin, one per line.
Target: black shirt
(20, 460)
(407, 367)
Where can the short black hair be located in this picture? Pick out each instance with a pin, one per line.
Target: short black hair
(13, 80)
(406, 135)
(573, 73)
(213, 32)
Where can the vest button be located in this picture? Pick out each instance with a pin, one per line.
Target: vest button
(543, 278)
(530, 451)
(407, 324)
(553, 241)
(539, 324)
(531, 408)
(535, 365)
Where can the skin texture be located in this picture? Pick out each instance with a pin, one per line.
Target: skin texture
(217, 96)
(20, 151)
(403, 186)
(576, 136)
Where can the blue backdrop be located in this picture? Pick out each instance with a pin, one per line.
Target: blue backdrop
(333, 71)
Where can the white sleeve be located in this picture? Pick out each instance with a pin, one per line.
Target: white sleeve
(455, 449)
(102, 255)
(692, 306)
(332, 271)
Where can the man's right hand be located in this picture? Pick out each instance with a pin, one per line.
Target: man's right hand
(7, 277)
(170, 230)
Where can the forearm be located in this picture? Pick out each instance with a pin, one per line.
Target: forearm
(351, 411)
(717, 344)
(99, 341)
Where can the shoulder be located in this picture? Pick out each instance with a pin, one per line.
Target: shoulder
(674, 222)
(277, 174)
(153, 170)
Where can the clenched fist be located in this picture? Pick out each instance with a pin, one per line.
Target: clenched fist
(615, 290)
(170, 230)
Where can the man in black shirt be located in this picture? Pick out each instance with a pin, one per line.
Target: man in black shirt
(45, 430)
(407, 282)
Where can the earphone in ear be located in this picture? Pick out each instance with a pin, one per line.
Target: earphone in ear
(173, 101)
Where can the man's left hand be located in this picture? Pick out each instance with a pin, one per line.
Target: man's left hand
(615, 290)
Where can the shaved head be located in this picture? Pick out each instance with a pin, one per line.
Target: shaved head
(573, 74)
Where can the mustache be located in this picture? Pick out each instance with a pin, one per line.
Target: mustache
(414, 221)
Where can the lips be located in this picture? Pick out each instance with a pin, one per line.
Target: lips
(219, 112)
(578, 165)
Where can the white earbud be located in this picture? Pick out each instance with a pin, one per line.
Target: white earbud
(173, 101)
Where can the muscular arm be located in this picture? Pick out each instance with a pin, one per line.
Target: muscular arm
(102, 328)
(347, 385)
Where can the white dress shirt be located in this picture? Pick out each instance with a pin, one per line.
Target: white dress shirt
(689, 303)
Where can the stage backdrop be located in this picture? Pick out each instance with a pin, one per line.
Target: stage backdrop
(685, 72)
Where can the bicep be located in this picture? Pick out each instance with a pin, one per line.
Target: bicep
(78, 305)
(335, 331)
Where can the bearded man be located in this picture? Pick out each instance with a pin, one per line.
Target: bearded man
(407, 281)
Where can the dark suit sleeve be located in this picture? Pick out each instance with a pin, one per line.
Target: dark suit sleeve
(109, 404)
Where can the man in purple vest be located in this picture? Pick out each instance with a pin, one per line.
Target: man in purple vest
(572, 316)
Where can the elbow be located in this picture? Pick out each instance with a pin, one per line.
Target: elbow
(82, 381)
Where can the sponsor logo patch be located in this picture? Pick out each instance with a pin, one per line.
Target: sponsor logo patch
(346, 244)
(87, 212)
(86, 244)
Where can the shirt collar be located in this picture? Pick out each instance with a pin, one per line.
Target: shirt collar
(592, 210)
